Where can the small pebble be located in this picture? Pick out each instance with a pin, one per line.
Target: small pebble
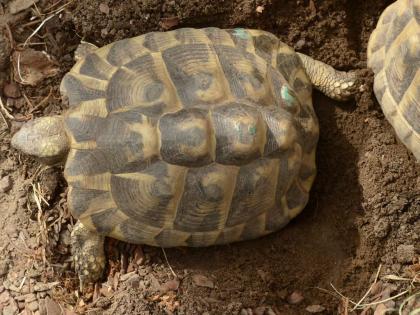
(134, 281)
(127, 276)
(259, 310)
(26, 297)
(295, 298)
(315, 308)
(12, 90)
(259, 9)
(170, 285)
(380, 309)
(104, 32)
(11, 230)
(300, 44)
(10, 286)
(154, 283)
(22, 201)
(104, 8)
(21, 305)
(25, 289)
(405, 253)
(33, 306)
(4, 297)
(52, 308)
(202, 281)
(106, 291)
(6, 184)
(65, 238)
(269, 311)
(41, 295)
(11, 309)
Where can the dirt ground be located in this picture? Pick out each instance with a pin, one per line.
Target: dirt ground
(361, 225)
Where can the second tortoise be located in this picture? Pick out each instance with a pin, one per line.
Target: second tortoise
(394, 56)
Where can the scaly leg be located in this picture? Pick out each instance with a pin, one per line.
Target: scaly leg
(88, 253)
(338, 85)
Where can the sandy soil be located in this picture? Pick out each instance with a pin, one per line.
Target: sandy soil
(363, 214)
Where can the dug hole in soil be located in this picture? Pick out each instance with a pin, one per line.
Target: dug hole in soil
(361, 224)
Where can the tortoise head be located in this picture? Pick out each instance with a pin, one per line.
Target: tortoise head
(43, 138)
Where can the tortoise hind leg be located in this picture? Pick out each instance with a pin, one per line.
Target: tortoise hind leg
(338, 85)
(88, 253)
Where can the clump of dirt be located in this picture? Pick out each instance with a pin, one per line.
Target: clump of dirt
(363, 212)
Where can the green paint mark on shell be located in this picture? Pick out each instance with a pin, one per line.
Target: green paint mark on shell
(241, 33)
(252, 130)
(285, 95)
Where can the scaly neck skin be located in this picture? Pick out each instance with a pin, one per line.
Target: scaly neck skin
(43, 138)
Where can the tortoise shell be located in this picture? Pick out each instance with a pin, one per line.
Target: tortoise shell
(394, 56)
(191, 137)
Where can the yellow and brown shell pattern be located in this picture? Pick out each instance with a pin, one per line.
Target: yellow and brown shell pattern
(394, 56)
(192, 137)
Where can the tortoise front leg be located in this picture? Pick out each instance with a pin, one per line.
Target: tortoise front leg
(88, 253)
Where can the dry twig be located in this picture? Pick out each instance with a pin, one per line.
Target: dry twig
(361, 306)
(40, 104)
(167, 261)
(368, 291)
(6, 112)
(4, 120)
(33, 34)
(28, 101)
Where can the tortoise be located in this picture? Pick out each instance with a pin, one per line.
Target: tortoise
(394, 56)
(191, 137)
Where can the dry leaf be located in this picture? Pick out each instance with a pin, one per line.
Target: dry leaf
(169, 22)
(260, 9)
(20, 5)
(312, 8)
(52, 307)
(32, 66)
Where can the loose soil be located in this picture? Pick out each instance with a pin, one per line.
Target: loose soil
(363, 214)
